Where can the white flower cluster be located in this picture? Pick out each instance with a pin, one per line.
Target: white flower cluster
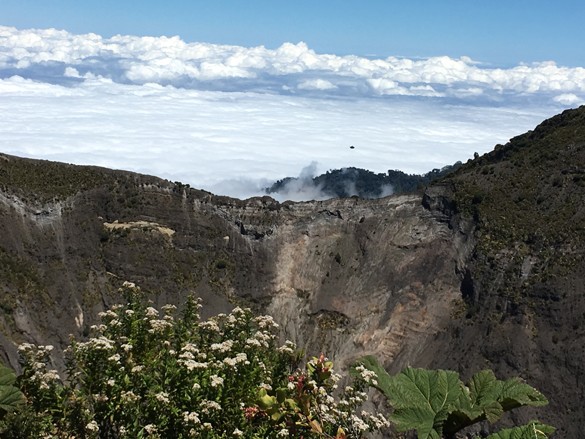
(158, 326)
(151, 312)
(191, 418)
(129, 396)
(109, 314)
(222, 347)
(233, 362)
(169, 309)
(369, 376)
(100, 343)
(210, 325)
(162, 397)
(92, 426)
(266, 322)
(209, 406)
(216, 381)
(37, 357)
(150, 429)
(189, 357)
(287, 348)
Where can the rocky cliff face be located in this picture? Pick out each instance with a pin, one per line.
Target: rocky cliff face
(346, 277)
(485, 270)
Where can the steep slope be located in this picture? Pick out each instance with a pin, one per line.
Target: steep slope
(524, 286)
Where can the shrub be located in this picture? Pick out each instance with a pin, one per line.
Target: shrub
(148, 373)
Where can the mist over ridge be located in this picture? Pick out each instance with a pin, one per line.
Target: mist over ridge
(352, 182)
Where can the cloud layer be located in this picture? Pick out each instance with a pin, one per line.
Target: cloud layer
(59, 56)
(233, 119)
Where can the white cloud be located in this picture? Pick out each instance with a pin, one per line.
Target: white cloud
(302, 187)
(316, 84)
(569, 99)
(170, 60)
(233, 119)
(71, 72)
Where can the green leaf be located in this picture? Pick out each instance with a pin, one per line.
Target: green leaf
(484, 387)
(493, 411)
(533, 430)
(489, 398)
(516, 393)
(436, 403)
(281, 394)
(10, 396)
(415, 418)
(422, 400)
(291, 404)
(7, 376)
(265, 401)
(485, 392)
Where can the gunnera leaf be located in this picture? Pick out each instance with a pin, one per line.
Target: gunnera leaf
(485, 391)
(422, 400)
(10, 396)
(532, 430)
(516, 393)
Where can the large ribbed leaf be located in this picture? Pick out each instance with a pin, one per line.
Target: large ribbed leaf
(533, 430)
(416, 418)
(484, 386)
(488, 398)
(436, 403)
(516, 393)
(10, 396)
(485, 391)
(422, 400)
(7, 376)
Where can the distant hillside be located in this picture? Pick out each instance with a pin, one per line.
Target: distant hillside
(348, 182)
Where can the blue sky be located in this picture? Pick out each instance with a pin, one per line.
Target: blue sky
(501, 33)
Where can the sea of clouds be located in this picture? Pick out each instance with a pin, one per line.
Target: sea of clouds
(233, 119)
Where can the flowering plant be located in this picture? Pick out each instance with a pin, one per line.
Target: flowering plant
(145, 373)
(306, 407)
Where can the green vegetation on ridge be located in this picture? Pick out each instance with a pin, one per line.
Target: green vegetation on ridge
(526, 199)
(347, 182)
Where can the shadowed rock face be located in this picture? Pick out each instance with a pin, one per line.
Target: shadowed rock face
(485, 270)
